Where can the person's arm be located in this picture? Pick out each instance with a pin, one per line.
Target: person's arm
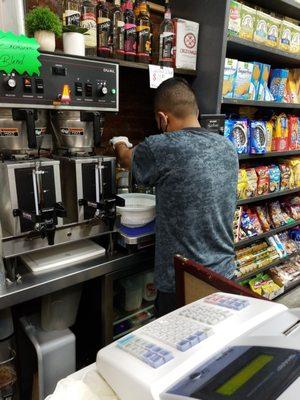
(124, 155)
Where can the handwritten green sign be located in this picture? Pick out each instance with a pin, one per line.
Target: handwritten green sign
(19, 54)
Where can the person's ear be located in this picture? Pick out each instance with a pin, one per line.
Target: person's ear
(162, 121)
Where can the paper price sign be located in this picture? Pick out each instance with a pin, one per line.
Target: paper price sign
(19, 53)
(159, 74)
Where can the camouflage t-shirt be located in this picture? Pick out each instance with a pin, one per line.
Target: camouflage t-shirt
(195, 174)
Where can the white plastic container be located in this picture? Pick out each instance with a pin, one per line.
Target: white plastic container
(12, 16)
(74, 43)
(139, 209)
(149, 292)
(132, 292)
(59, 309)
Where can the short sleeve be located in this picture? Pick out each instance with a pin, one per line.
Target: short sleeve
(144, 169)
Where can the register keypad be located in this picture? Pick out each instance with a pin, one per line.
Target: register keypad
(232, 303)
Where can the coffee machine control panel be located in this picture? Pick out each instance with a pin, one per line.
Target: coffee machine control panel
(66, 83)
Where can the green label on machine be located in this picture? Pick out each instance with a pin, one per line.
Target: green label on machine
(19, 53)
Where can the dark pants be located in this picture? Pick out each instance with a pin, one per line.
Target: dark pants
(165, 303)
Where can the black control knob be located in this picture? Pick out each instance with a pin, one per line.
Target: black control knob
(10, 83)
(103, 90)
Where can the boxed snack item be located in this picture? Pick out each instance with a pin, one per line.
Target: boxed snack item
(273, 31)
(278, 82)
(280, 140)
(243, 80)
(258, 137)
(295, 40)
(291, 94)
(242, 184)
(261, 28)
(263, 182)
(255, 80)
(278, 216)
(275, 178)
(248, 16)
(269, 129)
(186, 43)
(293, 132)
(270, 289)
(263, 90)
(285, 35)
(229, 77)
(251, 182)
(237, 223)
(294, 164)
(278, 245)
(234, 24)
(250, 223)
(237, 132)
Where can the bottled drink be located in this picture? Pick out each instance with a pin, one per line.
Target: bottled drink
(88, 21)
(166, 38)
(117, 35)
(71, 12)
(143, 29)
(129, 32)
(103, 29)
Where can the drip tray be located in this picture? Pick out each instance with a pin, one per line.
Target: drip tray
(141, 237)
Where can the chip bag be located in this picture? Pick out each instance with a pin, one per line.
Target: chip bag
(263, 182)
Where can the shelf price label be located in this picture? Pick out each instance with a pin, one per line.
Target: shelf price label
(159, 74)
(19, 53)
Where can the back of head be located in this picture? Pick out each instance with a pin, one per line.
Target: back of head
(175, 96)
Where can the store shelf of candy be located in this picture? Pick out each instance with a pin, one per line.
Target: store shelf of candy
(239, 47)
(268, 196)
(272, 154)
(256, 103)
(289, 8)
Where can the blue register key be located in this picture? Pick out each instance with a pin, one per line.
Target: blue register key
(184, 345)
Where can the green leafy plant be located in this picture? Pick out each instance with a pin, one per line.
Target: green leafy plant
(43, 19)
(74, 28)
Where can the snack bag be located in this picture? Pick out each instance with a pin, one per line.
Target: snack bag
(263, 218)
(251, 189)
(248, 16)
(254, 86)
(278, 82)
(229, 77)
(263, 90)
(237, 132)
(263, 182)
(293, 132)
(269, 130)
(275, 214)
(280, 140)
(260, 28)
(275, 178)
(285, 171)
(269, 288)
(243, 80)
(258, 137)
(295, 166)
(234, 24)
(285, 35)
(298, 141)
(250, 223)
(256, 284)
(295, 40)
(242, 184)
(273, 31)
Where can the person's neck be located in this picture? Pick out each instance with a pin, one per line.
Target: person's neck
(178, 125)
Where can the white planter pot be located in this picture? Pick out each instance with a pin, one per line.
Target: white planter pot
(74, 43)
(46, 40)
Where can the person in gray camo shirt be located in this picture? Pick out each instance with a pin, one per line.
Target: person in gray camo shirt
(195, 175)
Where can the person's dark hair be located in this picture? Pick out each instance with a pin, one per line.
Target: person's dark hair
(176, 96)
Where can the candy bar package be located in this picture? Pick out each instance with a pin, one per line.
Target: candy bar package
(250, 223)
(278, 82)
(280, 140)
(251, 181)
(237, 132)
(248, 17)
(269, 130)
(258, 137)
(242, 184)
(275, 178)
(234, 24)
(294, 164)
(255, 80)
(261, 28)
(263, 182)
(263, 217)
(229, 77)
(243, 80)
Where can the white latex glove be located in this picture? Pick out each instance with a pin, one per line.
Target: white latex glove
(120, 139)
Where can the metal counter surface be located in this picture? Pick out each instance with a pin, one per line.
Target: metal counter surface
(33, 286)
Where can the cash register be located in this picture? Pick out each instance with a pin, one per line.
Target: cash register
(221, 347)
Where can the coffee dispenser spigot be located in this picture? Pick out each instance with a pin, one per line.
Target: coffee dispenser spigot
(29, 116)
(98, 120)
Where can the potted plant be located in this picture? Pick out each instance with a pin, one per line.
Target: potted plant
(44, 25)
(73, 40)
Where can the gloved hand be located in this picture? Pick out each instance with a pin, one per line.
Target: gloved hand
(120, 139)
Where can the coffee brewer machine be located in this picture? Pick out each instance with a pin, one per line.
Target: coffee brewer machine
(54, 198)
